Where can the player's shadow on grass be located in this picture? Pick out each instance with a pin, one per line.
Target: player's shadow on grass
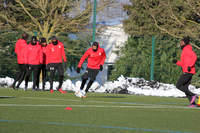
(4, 97)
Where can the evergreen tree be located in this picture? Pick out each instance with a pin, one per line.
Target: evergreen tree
(135, 59)
(168, 21)
(8, 62)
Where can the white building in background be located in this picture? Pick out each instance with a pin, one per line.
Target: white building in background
(111, 39)
(112, 36)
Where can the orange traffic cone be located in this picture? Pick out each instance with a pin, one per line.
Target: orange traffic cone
(198, 103)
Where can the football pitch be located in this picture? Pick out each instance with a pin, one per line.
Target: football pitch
(43, 112)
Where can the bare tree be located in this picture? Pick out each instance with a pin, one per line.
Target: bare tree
(46, 16)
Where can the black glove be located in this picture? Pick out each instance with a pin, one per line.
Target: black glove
(65, 65)
(101, 68)
(189, 69)
(174, 61)
(26, 67)
(48, 67)
(78, 70)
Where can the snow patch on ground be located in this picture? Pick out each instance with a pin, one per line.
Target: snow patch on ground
(122, 85)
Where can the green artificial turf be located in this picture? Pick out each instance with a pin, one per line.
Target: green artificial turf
(43, 112)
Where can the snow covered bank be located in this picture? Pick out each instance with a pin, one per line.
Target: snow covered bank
(123, 85)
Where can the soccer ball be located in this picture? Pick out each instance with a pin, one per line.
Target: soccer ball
(80, 93)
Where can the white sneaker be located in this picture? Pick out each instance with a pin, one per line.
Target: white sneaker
(25, 89)
(78, 94)
(83, 92)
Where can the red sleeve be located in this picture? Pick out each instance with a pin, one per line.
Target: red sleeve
(63, 54)
(86, 54)
(26, 54)
(179, 63)
(193, 59)
(103, 57)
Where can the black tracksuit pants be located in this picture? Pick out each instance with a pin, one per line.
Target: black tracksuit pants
(34, 69)
(90, 73)
(20, 75)
(53, 67)
(42, 69)
(183, 83)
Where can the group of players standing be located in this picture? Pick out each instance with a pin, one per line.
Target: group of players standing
(39, 56)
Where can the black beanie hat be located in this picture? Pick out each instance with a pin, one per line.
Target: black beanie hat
(54, 38)
(95, 44)
(43, 40)
(25, 36)
(186, 40)
(34, 38)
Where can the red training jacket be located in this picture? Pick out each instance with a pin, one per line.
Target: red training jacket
(20, 50)
(44, 55)
(188, 58)
(55, 53)
(33, 54)
(95, 59)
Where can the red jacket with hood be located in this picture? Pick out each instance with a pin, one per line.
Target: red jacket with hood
(33, 54)
(95, 58)
(188, 59)
(20, 47)
(55, 53)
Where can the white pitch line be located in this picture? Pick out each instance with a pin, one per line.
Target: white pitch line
(135, 104)
(97, 106)
(54, 99)
(71, 100)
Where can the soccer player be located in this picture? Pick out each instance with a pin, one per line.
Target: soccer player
(55, 57)
(42, 68)
(95, 57)
(187, 62)
(20, 51)
(33, 58)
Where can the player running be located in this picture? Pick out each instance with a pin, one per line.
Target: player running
(187, 62)
(95, 57)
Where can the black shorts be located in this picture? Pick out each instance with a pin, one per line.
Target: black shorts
(90, 73)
